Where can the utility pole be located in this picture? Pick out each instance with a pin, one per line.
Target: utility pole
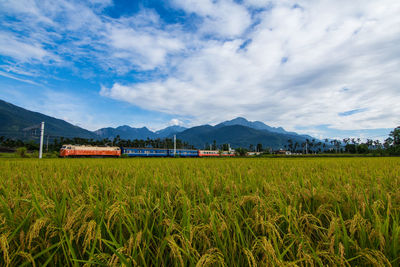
(41, 140)
(174, 145)
(306, 148)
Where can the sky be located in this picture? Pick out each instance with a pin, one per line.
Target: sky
(330, 69)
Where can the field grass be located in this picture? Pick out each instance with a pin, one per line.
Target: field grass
(200, 212)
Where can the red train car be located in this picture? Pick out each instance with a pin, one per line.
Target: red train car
(215, 153)
(89, 151)
(228, 154)
(208, 153)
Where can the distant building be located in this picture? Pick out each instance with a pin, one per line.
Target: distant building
(253, 153)
(283, 152)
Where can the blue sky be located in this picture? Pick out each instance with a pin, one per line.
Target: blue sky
(326, 68)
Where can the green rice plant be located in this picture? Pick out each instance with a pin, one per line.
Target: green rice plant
(200, 212)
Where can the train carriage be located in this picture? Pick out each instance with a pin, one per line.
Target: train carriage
(228, 153)
(183, 153)
(145, 152)
(216, 153)
(209, 153)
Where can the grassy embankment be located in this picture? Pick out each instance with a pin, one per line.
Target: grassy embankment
(179, 212)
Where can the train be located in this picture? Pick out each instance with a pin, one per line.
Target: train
(74, 151)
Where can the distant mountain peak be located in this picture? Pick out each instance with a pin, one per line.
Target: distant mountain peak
(170, 130)
(236, 135)
(128, 132)
(238, 119)
(124, 128)
(251, 124)
(125, 132)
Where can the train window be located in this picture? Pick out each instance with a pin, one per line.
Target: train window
(63, 147)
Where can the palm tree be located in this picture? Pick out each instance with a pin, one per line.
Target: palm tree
(333, 142)
(377, 144)
(302, 146)
(307, 142)
(290, 142)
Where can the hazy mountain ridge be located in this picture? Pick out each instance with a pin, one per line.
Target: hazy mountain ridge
(255, 125)
(171, 130)
(127, 132)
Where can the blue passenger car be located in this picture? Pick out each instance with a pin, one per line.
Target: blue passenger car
(183, 153)
(145, 152)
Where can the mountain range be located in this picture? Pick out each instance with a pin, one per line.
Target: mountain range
(127, 132)
(14, 119)
(242, 134)
(238, 132)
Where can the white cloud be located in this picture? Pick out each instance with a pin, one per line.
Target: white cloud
(5, 74)
(65, 32)
(145, 49)
(257, 3)
(282, 63)
(291, 72)
(223, 18)
(175, 122)
(18, 48)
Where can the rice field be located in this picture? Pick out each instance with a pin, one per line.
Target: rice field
(200, 212)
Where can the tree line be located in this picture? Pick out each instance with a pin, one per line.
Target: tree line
(390, 146)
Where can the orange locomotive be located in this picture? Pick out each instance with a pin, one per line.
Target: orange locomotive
(89, 151)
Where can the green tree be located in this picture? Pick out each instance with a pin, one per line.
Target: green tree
(241, 151)
(251, 147)
(214, 145)
(395, 135)
(290, 145)
(21, 152)
(260, 148)
(225, 147)
(295, 146)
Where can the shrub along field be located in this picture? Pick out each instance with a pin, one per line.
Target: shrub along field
(200, 212)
